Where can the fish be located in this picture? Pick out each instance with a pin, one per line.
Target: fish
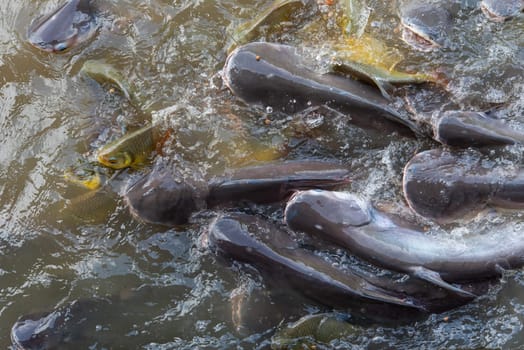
(354, 224)
(103, 72)
(356, 17)
(425, 26)
(84, 176)
(167, 198)
(473, 129)
(501, 10)
(279, 11)
(67, 26)
(59, 328)
(250, 239)
(445, 185)
(310, 329)
(274, 181)
(381, 77)
(131, 150)
(274, 76)
(162, 197)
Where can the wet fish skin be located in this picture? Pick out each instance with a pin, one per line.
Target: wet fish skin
(249, 239)
(469, 128)
(354, 224)
(445, 185)
(274, 182)
(163, 197)
(274, 75)
(69, 25)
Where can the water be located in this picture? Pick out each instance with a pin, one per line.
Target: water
(167, 291)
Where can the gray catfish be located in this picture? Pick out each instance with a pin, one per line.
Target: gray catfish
(283, 262)
(469, 128)
(275, 75)
(354, 224)
(446, 185)
(67, 26)
(162, 197)
(252, 240)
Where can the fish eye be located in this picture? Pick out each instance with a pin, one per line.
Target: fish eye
(60, 47)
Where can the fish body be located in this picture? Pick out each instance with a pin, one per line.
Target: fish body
(67, 26)
(103, 72)
(130, 150)
(163, 197)
(249, 239)
(354, 224)
(380, 76)
(274, 182)
(275, 76)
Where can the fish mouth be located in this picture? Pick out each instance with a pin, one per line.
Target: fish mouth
(492, 15)
(418, 39)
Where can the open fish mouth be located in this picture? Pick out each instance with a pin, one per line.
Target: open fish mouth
(418, 40)
(500, 14)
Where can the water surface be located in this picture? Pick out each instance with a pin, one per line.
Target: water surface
(171, 292)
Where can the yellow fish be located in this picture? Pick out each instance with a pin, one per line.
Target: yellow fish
(131, 150)
(85, 177)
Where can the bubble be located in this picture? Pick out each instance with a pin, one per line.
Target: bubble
(269, 109)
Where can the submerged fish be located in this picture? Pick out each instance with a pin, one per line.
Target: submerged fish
(310, 329)
(356, 17)
(373, 61)
(425, 26)
(67, 26)
(59, 328)
(275, 76)
(103, 72)
(354, 224)
(84, 176)
(130, 150)
(445, 186)
(380, 76)
(279, 11)
(501, 10)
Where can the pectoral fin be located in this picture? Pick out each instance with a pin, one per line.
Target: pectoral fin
(434, 277)
(384, 86)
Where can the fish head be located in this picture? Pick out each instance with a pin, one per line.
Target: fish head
(116, 160)
(315, 210)
(66, 27)
(425, 26)
(501, 10)
(38, 331)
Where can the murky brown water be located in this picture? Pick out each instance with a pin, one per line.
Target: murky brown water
(171, 293)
